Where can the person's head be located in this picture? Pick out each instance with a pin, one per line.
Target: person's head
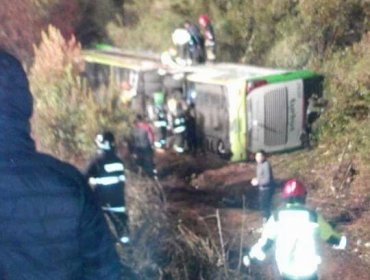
(186, 24)
(294, 191)
(260, 156)
(15, 97)
(203, 20)
(105, 141)
(139, 118)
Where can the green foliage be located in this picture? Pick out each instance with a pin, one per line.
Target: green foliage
(67, 117)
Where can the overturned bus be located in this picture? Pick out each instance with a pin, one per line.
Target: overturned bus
(241, 109)
(134, 77)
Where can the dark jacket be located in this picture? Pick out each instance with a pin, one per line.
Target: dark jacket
(50, 225)
(107, 174)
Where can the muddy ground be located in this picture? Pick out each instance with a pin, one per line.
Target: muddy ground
(202, 189)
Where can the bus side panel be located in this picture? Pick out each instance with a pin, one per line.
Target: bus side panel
(237, 118)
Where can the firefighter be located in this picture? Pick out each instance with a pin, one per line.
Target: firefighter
(160, 121)
(179, 130)
(294, 229)
(106, 174)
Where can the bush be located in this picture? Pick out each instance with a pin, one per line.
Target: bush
(67, 117)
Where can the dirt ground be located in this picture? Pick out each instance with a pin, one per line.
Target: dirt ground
(200, 189)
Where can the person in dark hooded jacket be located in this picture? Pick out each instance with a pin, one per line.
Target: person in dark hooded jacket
(51, 227)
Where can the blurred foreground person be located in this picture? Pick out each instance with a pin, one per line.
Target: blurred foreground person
(106, 174)
(141, 145)
(295, 230)
(51, 227)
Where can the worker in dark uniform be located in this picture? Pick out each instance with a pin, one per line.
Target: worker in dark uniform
(191, 135)
(160, 121)
(106, 174)
(179, 130)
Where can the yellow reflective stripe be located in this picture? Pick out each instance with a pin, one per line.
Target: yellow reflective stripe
(107, 180)
(326, 230)
(114, 167)
(179, 129)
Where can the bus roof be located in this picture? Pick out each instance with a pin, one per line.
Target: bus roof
(122, 59)
(224, 73)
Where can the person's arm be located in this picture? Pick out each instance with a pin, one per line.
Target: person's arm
(97, 251)
(267, 239)
(328, 234)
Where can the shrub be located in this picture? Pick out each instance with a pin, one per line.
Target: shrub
(67, 116)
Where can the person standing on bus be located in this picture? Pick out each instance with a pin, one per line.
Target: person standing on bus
(181, 39)
(209, 37)
(179, 130)
(196, 44)
(142, 141)
(106, 175)
(295, 230)
(266, 184)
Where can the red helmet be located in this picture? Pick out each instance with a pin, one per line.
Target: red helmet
(203, 20)
(293, 188)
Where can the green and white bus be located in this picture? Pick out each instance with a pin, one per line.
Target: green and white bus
(242, 109)
(134, 76)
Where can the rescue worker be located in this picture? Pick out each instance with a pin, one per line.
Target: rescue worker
(160, 121)
(265, 182)
(142, 141)
(191, 135)
(51, 226)
(179, 130)
(181, 39)
(209, 37)
(295, 229)
(196, 43)
(106, 175)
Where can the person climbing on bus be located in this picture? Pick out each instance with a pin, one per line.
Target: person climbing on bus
(160, 121)
(295, 230)
(266, 184)
(141, 145)
(181, 39)
(179, 129)
(209, 37)
(106, 175)
(196, 43)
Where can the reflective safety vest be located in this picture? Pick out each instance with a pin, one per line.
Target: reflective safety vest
(179, 124)
(295, 230)
(161, 120)
(107, 176)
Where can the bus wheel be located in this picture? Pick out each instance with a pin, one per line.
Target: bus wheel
(221, 149)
